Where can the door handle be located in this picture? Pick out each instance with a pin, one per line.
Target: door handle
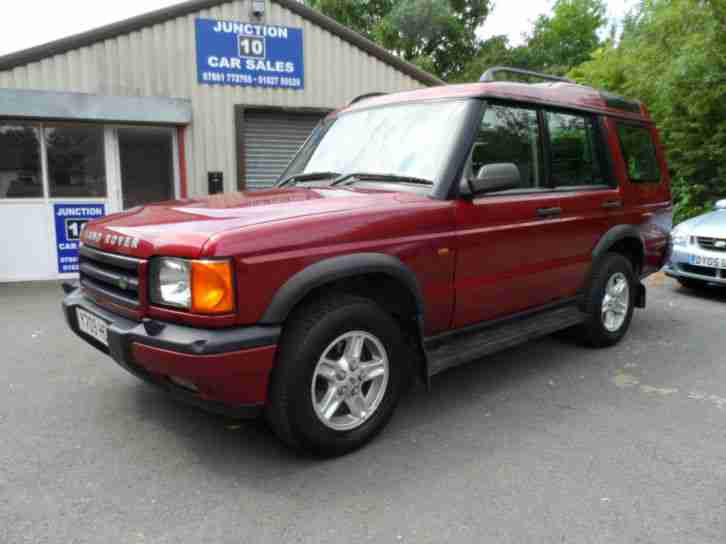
(612, 204)
(549, 212)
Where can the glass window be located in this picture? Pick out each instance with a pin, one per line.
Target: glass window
(574, 157)
(639, 153)
(407, 140)
(147, 165)
(509, 135)
(20, 175)
(76, 166)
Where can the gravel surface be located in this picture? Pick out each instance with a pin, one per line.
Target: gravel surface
(548, 442)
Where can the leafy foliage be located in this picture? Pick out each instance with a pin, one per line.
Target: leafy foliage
(438, 35)
(557, 43)
(672, 55)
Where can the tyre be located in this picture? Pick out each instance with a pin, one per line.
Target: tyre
(610, 301)
(690, 283)
(340, 371)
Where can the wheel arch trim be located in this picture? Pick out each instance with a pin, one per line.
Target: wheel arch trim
(298, 286)
(615, 235)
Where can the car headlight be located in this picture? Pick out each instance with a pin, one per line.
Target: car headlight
(204, 287)
(680, 236)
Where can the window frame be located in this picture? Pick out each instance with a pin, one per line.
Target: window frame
(649, 130)
(602, 153)
(50, 125)
(43, 163)
(542, 151)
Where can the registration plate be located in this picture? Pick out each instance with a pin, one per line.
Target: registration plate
(709, 262)
(93, 326)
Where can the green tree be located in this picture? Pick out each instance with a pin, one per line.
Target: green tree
(558, 41)
(672, 55)
(438, 35)
(566, 37)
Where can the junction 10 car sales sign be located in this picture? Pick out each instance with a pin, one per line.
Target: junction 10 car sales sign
(249, 54)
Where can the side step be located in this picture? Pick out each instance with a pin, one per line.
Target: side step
(466, 345)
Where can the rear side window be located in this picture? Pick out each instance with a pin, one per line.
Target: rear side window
(639, 153)
(574, 155)
(510, 135)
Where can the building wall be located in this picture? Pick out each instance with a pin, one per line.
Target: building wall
(161, 61)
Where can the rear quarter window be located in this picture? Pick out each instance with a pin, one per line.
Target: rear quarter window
(639, 153)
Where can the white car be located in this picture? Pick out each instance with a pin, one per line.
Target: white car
(698, 252)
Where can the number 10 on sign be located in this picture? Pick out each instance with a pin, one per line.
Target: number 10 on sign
(252, 47)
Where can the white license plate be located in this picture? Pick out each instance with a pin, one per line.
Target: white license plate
(710, 262)
(93, 326)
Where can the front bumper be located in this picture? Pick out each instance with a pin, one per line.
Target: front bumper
(224, 371)
(679, 266)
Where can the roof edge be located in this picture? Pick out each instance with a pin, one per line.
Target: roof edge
(84, 39)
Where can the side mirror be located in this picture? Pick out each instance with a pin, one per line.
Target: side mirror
(495, 177)
(721, 205)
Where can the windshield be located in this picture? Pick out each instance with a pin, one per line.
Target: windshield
(410, 140)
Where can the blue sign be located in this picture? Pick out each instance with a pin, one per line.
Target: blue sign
(249, 54)
(70, 220)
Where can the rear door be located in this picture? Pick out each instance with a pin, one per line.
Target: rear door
(590, 196)
(509, 243)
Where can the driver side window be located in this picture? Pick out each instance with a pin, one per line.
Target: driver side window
(510, 135)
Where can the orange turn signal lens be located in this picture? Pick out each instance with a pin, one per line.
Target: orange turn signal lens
(212, 288)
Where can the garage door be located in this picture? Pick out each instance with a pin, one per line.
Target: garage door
(271, 139)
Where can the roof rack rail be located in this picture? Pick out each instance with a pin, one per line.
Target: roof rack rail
(365, 97)
(490, 74)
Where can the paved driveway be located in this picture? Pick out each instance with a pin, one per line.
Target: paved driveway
(548, 442)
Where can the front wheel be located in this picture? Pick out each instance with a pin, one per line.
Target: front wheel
(339, 374)
(610, 301)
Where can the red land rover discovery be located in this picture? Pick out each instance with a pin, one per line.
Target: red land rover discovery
(411, 233)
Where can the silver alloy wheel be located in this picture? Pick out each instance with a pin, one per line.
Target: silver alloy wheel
(616, 302)
(350, 380)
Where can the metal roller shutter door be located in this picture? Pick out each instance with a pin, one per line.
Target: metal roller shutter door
(271, 139)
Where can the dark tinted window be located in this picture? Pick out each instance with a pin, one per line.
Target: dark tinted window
(639, 153)
(574, 156)
(76, 164)
(509, 135)
(20, 162)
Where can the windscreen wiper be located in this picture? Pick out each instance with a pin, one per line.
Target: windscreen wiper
(310, 176)
(371, 176)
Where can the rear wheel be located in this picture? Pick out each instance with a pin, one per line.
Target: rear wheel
(340, 372)
(610, 301)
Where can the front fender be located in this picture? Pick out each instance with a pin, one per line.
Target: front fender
(327, 271)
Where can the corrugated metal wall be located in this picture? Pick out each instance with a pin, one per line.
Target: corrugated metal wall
(271, 140)
(161, 61)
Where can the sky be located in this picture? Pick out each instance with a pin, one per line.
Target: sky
(27, 23)
(516, 17)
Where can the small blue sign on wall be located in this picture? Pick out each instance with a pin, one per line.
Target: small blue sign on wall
(249, 54)
(70, 220)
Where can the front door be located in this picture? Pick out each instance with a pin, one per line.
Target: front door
(142, 166)
(147, 165)
(509, 242)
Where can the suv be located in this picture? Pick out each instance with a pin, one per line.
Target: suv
(412, 232)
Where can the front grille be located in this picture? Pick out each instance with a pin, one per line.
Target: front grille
(700, 270)
(115, 277)
(714, 244)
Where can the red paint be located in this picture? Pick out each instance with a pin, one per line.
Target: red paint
(502, 257)
(239, 377)
(181, 140)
